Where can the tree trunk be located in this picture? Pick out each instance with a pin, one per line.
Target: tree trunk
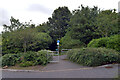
(24, 46)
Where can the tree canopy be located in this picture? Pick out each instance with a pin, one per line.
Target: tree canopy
(73, 29)
(58, 23)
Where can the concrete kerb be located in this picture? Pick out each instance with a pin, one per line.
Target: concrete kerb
(103, 66)
(16, 70)
(44, 71)
(107, 65)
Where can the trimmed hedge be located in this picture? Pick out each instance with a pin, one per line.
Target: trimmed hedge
(93, 56)
(112, 42)
(27, 59)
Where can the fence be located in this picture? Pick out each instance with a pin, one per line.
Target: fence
(55, 55)
(63, 51)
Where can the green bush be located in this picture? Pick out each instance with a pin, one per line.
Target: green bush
(38, 58)
(27, 59)
(44, 57)
(93, 56)
(30, 56)
(9, 59)
(12, 43)
(101, 42)
(41, 61)
(112, 42)
(68, 43)
(41, 41)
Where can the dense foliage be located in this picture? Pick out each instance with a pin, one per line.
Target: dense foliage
(74, 30)
(24, 40)
(107, 23)
(93, 56)
(112, 42)
(0, 45)
(27, 59)
(58, 23)
(83, 23)
(91, 23)
(9, 60)
(68, 43)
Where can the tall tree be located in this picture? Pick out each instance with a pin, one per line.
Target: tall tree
(106, 23)
(82, 23)
(67, 42)
(118, 23)
(24, 40)
(25, 36)
(58, 23)
(14, 25)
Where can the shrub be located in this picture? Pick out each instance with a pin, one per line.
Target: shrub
(101, 42)
(93, 56)
(12, 43)
(68, 43)
(42, 41)
(9, 60)
(112, 42)
(44, 57)
(30, 56)
(27, 59)
(41, 61)
(35, 58)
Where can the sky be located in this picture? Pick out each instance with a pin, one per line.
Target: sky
(40, 10)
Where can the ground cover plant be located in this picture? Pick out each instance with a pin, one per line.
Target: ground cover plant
(93, 56)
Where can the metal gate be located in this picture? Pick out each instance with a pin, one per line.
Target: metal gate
(54, 55)
(64, 51)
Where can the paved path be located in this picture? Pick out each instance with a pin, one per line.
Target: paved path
(65, 69)
(63, 64)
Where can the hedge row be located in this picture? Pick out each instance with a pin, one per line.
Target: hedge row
(26, 59)
(93, 56)
(112, 42)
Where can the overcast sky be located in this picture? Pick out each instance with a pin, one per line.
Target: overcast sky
(39, 10)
